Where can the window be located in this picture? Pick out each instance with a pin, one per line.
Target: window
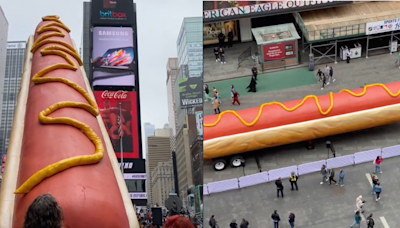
(136, 185)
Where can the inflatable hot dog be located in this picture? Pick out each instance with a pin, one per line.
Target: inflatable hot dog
(275, 124)
(59, 144)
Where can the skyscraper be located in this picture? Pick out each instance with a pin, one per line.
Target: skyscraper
(149, 129)
(172, 72)
(14, 67)
(86, 33)
(162, 180)
(3, 55)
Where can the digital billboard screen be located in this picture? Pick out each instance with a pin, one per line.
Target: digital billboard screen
(190, 92)
(112, 12)
(118, 110)
(113, 56)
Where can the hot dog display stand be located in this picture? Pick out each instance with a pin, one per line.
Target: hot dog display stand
(277, 45)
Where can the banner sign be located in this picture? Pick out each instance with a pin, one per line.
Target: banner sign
(279, 51)
(20, 45)
(190, 92)
(138, 195)
(135, 176)
(112, 12)
(118, 110)
(383, 26)
(199, 122)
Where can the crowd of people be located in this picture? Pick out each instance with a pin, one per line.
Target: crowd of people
(325, 77)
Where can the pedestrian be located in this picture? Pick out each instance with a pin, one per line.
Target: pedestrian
(357, 219)
(212, 222)
(244, 224)
(320, 74)
(327, 72)
(216, 54)
(207, 92)
(378, 191)
(324, 174)
(216, 95)
(230, 38)
(293, 180)
(332, 176)
(254, 71)
(252, 85)
(377, 163)
(233, 224)
(341, 178)
(323, 81)
(332, 79)
(232, 90)
(275, 217)
(348, 57)
(216, 106)
(222, 55)
(370, 222)
(221, 39)
(279, 187)
(360, 203)
(375, 180)
(291, 219)
(235, 98)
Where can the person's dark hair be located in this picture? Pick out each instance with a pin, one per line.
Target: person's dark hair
(275, 212)
(44, 212)
(377, 157)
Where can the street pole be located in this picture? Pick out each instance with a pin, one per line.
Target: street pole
(120, 139)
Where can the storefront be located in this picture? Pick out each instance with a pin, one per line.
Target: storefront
(278, 46)
(211, 31)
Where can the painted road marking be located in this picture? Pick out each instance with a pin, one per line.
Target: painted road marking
(384, 222)
(369, 178)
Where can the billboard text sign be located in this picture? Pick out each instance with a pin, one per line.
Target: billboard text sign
(118, 110)
(279, 51)
(113, 56)
(112, 12)
(199, 122)
(383, 26)
(190, 92)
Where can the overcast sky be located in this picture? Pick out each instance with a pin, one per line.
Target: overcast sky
(158, 21)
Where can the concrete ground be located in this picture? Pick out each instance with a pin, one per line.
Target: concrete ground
(376, 69)
(314, 205)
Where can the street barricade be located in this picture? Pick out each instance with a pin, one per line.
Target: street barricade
(223, 186)
(282, 173)
(366, 156)
(311, 167)
(392, 151)
(205, 189)
(254, 179)
(338, 162)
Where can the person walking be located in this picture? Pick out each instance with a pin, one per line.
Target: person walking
(323, 81)
(341, 178)
(244, 224)
(216, 106)
(254, 71)
(291, 219)
(216, 95)
(232, 90)
(324, 174)
(279, 187)
(252, 85)
(235, 98)
(222, 55)
(221, 39)
(233, 224)
(348, 57)
(230, 38)
(332, 176)
(293, 181)
(378, 191)
(207, 92)
(327, 72)
(212, 222)
(377, 163)
(216, 54)
(331, 74)
(320, 74)
(275, 217)
(370, 222)
(360, 203)
(375, 180)
(357, 219)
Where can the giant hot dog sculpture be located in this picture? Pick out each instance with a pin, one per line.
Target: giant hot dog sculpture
(62, 148)
(274, 124)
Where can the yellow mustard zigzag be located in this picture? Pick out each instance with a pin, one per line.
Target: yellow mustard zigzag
(301, 103)
(64, 164)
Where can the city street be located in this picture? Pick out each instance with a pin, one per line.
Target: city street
(314, 205)
(376, 69)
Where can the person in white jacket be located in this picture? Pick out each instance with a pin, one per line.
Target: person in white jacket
(359, 204)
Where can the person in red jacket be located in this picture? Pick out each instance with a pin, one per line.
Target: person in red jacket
(235, 97)
(377, 163)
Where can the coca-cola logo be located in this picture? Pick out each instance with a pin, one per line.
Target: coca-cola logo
(120, 94)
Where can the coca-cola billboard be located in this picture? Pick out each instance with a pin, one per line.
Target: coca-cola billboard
(118, 110)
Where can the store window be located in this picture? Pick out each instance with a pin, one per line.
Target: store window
(211, 31)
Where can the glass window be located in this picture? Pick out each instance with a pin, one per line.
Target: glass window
(136, 185)
(211, 31)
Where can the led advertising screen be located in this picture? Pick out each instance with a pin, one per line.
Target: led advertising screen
(113, 56)
(119, 112)
(190, 92)
(112, 12)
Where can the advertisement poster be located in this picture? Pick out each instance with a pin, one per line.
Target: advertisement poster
(377, 27)
(199, 122)
(191, 92)
(112, 12)
(279, 51)
(118, 110)
(226, 9)
(113, 56)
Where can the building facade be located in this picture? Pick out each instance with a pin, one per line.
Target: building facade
(158, 150)
(190, 45)
(162, 179)
(3, 60)
(12, 81)
(172, 73)
(86, 38)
